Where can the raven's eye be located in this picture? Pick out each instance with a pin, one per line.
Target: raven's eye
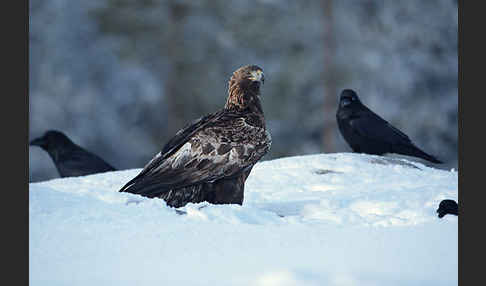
(346, 101)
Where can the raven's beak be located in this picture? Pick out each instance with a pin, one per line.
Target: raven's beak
(440, 213)
(37, 142)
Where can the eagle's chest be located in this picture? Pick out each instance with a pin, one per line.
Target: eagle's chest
(251, 130)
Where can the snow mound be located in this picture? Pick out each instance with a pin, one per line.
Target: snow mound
(327, 219)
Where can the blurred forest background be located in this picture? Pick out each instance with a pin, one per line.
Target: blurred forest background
(120, 77)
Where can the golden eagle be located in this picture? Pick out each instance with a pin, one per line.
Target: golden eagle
(210, 159)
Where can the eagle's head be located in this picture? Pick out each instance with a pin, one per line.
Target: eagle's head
(250, 74)
(244, 87)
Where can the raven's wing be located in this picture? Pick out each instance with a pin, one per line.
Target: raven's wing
(220, 145)
(79, 162)
(370, 125)
(381, 133)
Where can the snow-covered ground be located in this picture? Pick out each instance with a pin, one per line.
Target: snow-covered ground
(328, 219)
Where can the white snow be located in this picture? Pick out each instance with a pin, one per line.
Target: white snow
(328, 219)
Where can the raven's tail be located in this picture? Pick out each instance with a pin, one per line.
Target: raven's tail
(411, 150)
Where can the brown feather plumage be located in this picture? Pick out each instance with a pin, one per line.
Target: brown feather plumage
(211, 158)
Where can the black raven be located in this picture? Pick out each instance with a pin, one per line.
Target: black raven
(210, 159)
(70, 159)
(448, 207)
(366, 132)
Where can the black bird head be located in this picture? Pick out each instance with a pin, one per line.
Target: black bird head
(51, 139)
(348, 98)
(447, 207)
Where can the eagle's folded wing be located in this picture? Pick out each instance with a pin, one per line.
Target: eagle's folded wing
(218, 147)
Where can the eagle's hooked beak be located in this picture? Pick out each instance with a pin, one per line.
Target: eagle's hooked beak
(257, 76)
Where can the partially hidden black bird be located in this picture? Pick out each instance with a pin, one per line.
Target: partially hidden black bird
(70, 159)
(448, 207)
(366, 132)
(211, 158)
